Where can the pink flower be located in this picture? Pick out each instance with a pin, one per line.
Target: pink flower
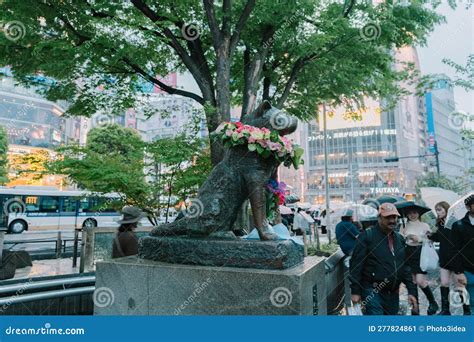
(274, 146)
(228, 133)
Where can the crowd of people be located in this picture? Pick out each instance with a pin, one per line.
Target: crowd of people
(389, 253)
(383, 256)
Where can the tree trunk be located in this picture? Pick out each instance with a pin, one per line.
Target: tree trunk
(222, 110)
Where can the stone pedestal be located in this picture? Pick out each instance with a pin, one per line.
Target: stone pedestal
(279, 254)
(135, 286)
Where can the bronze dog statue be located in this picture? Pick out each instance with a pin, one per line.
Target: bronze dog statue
(241, 175)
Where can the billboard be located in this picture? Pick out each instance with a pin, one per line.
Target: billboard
(341, 117)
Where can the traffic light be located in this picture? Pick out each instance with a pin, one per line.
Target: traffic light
(391, 160)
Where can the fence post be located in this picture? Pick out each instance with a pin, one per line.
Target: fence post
(59, 245)
(2, 237)
(76, 245)
(87, 250)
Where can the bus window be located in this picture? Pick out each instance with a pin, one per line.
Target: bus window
(31, 204)
(69, 205)
(49, 204)
(84, 205)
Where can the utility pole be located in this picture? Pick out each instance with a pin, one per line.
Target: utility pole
(326, 175)
(437, 157)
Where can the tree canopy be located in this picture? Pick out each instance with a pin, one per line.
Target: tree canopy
(297, 54)
(149, 175)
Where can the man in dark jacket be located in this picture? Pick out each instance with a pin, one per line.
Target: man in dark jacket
(346, 233)
(378, 267)
(462, 237)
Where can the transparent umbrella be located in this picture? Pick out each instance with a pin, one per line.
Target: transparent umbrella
(457, 211)
(432, 195)
(361, 212)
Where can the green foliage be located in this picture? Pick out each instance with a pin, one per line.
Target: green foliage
(30, 167)
(326, 249)
(3, 156)
(148, 175)
(433, 180)
(300, 52)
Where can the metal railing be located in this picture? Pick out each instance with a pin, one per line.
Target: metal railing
(59, 241)
(55, 295)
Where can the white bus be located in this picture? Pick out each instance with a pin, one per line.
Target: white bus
(43, 208)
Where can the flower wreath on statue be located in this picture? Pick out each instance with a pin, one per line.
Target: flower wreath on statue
(266, 143)
(263, 141)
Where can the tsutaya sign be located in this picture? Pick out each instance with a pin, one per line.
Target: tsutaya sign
(388, 190)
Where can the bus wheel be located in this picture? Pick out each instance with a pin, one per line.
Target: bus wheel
(89, 223)
(17, 227)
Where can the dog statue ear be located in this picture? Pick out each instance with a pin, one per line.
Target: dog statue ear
(261, 109)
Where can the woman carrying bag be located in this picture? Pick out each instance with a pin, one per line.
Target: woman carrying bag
(415, 234)
(447, 253)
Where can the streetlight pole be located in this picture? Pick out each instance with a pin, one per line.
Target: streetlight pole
(435, 154)
(326, 174)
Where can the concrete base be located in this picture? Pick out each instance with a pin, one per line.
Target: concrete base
(133, 286)
(279, 254)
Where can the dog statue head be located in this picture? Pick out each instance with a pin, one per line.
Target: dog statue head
(272, 118)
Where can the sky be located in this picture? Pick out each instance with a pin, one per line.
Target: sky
(454, 40)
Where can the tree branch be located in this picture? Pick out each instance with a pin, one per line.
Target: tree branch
(212, 22)
(163, 86)
(241, 24)
(226, 17)
(204, 81)
(347, 10)
(291, 80)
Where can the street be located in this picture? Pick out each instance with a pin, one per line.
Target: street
(38, 241)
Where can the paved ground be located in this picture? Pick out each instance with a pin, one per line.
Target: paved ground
(43, 268)
(434, 285)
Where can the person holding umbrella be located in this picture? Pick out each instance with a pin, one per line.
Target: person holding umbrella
(447, 253)
(415, 233)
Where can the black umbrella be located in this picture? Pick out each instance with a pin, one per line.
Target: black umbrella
(404, 206)
(390, 199)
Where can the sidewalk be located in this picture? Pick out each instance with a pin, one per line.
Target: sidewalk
(42, 268)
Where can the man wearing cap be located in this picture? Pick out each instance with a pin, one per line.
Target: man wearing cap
(125, 242)
(462, 237)
(378, 266)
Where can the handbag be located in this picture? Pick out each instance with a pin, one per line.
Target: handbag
(354, 310)
(429, 258)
